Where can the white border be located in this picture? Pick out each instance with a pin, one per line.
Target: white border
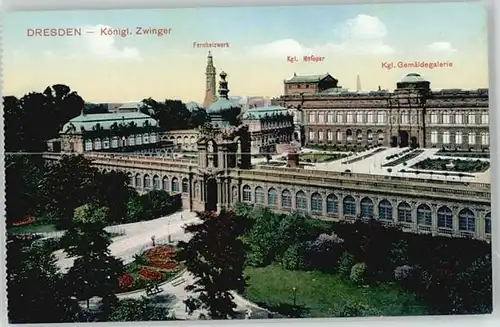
(494, 51)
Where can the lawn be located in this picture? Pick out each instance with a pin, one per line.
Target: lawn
(35, 227)
(454, 165)
(155, 266)
(326, 295)
(322, 157)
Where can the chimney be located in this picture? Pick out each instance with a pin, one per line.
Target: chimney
(293, 159)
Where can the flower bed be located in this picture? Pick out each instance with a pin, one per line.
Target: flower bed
(405, 158)
(453, 165)
(125, 281)
(160, 253)
(25, 221)
(170, 265)
(149, 274)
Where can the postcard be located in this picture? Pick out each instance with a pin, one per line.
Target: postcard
(247, 163)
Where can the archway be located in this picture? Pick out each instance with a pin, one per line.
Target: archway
(394, 141)
(296, 136)
(403, 139)
(211, 195)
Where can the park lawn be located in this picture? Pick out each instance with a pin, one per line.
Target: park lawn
(36, 227)
(325, 295)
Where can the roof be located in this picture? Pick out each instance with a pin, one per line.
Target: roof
(193, 106)
(306, 78)
(107, 120)
(413, 78)
(261, 112)
(221, 104)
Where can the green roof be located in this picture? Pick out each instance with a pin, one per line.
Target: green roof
(413, 78)
(306, 78)
(107, 120)
(221, 104)
(261, 112)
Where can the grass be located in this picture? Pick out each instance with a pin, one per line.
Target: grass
(322, 157)
(35, 227)
(326, 295)
(464, 166)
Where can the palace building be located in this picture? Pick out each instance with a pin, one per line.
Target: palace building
(406, 127)
(411, 115)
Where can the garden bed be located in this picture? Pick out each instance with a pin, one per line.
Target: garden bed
(407, 157)
(368, 155)
(453, 165)
(463, 154)
(154, 266)
(322, 157)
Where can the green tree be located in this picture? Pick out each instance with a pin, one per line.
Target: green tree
(139, 310)
(94, 272)
(215, 255)
(232, 115)
(36, 293)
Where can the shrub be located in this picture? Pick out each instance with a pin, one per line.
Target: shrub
(324, 252)
(294, 257)
(403, 273)
(345, 264)
(358, 273)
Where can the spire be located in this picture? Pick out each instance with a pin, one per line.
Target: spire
(210, 89)
(223, 90)
(358, 84)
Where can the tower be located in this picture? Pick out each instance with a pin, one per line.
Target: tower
(358, 84)
(223, 90)
(210, 90)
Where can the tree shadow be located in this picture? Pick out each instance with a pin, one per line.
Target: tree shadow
(287, 310)
(162, 299)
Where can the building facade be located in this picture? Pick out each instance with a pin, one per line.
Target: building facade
(411, 115)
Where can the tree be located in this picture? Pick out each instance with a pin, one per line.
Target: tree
(139, 310)
(94, 272)
(232, 115)
(215, 255)
(36, 293)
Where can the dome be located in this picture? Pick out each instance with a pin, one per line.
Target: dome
(413, 78)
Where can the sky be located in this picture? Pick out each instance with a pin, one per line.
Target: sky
(352, 40)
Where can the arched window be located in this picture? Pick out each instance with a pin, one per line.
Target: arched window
(424, 215)
(466, 221)
(366, 208)
(404, 213)
(105, 143)
(247, 194)
(349, 206)
(185, 185)
(301, 201)
(114, 142)
(385, 210)
(138, 181)
(316, 203)
(138, 139)
(487, 223)
(332, 204)
(175, 185)
(165, 183)
(97, 144)
(272, 197)
(286, 199)
(156, 182)
(445, 217)
(259, 195)
(88, 145)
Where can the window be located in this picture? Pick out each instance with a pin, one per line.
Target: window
(349, 206)
(458, 138)
(385, 210)
(340, 117)
(369, 136)
(156, 182)
(311, 135)
(165, 183)
(152, 138)
(487, 223)
(434, 137)
(348, 135)
(97, 144)
(466, 221)
(138, 181)
(301, 201)
(145, 138)
(272, 197)
(131, 140)
(458, 119)
(405, 118)
(472, 138)
(175, 185)
(316, 203)
(332, 204)
(485, 138)
(247, 194)
(359, 118)
(446, 137)
(445, 218)
(434, 118)
(366, 208)
(321, 117)
(424, 215)
(339, 136)
(320, 135)
(472, 119)
(329, 135)
(349, 117)
(485, 119)
(369, 118)
(381, 117)
(446, 118)
(105, 143)
(311, 117)
(138, 139)
(88, 145)
(404, 213)
(286, 199)
(147, 182)
(330, 117)
(114, 142)
(259, 195)
(185, 185)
